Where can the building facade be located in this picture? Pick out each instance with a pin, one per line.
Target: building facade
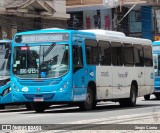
(21, 15)
(137, 18)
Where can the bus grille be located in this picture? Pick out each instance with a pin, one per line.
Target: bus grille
(45, 96)
(38, 83)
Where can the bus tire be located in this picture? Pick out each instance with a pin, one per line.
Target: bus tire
(131, 101)
(88, 103)
(157, 95)
(133, 96)
(2, 106)
(29, 106)
(39, 107)
(147, 97)
(94, 104)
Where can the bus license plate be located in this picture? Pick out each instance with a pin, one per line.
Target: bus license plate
(38, 99)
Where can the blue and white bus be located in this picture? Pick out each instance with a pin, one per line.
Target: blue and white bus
(156, 58)
(54, 66)
(5, 90)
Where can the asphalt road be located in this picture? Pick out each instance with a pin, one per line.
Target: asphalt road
(63, 114)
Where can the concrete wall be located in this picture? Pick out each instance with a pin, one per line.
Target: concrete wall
(83, 2)
(5, 2)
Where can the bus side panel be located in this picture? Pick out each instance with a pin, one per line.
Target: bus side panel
(140, 80)
(157, 85)
(121, 82)
(104, 82)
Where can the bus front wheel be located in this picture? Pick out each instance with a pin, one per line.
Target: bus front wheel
(88, 103)
(39, 107)
(147, 97)
(133, 96)
(157, 95)
(29, 106)
(2, 106)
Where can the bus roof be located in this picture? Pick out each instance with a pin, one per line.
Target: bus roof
(104, 32)
(117, 36)
(97, 33)
(48, 30)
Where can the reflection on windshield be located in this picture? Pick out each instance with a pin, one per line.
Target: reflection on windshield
(48, 61)
(4, 60)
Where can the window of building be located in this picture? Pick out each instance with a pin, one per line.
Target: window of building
(138, 55)
(128, 54)
(135, 21)
(104, 53)
(148, 60)
(91, 52)
(117, 54)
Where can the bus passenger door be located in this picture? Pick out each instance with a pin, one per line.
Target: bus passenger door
(79, 88)
(148, 62)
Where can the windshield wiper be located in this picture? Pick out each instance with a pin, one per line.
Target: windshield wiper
(49, 49)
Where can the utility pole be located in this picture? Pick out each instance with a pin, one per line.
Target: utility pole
(125, 14)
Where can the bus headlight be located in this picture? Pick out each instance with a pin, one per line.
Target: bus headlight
(16, 88)
(65, 85)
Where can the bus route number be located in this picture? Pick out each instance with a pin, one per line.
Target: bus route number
(28, 71)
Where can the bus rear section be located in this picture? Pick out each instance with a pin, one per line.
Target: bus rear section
(5, 90)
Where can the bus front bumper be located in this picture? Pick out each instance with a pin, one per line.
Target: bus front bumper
(157, 89)
(41, 97)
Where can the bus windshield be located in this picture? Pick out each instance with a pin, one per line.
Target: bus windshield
(47, 61)
(156, 58)
(4, 60)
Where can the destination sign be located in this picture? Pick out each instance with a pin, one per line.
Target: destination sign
(45, 37)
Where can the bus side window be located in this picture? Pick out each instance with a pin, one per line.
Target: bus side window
(148, 60)
(77, 56)
(138, 55)
(91, 52)
(104, 53)
(128, 54)
(117, 54)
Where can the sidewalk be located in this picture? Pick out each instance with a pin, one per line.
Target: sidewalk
(137, 123)
(134, 121)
